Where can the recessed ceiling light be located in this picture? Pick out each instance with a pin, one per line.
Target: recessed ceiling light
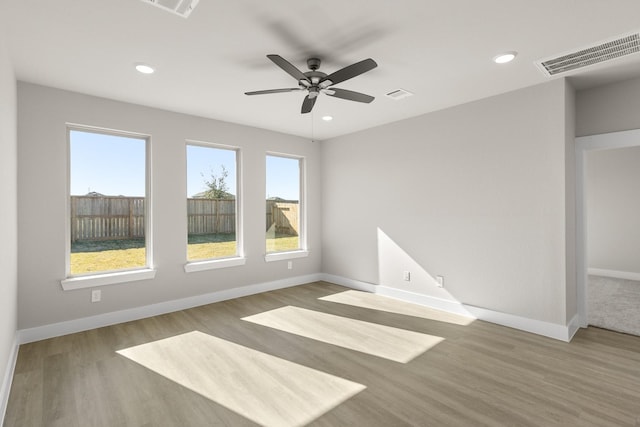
(503, 58)
(327, 118)
(145, 69)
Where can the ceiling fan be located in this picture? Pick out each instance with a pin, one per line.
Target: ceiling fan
(316, 82)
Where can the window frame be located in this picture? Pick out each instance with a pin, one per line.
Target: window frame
(302, 250)
(109, 277)
(221, 262)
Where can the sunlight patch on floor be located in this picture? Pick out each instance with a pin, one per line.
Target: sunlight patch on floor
(391, 305)
(263, 388)
(387, 342)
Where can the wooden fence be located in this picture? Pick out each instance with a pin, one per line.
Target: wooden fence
(106, 218)
(110, 218)
(210, 216)
(283, 217)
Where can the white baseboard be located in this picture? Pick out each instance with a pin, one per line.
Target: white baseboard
(627, 275)
(551, 330)
(574, 325)
(7, 380)
(78, 325)
(539, 327)
(421, 299)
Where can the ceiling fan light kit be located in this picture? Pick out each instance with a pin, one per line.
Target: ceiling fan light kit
(316, 82)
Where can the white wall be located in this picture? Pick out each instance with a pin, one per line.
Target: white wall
(8, 223)
(42, 184)
(476, 193)
(613, 206)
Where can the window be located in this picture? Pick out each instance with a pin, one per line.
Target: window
(108, 203)
(212, 202)
(285, 204)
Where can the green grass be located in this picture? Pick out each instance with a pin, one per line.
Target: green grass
(283, 243)
(108, 260)
(109, 255)
(207, 246)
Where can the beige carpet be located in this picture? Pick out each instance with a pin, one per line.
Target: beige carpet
(614, 304)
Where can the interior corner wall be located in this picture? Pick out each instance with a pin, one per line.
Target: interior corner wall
(613, 203)
(8, 221)
(475, 193)
(571, 287)
(43, 114)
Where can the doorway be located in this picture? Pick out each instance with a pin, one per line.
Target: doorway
(585, 145)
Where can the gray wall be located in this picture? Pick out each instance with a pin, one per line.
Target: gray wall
(42, 184)
(608, 108)
(8, 212)
(476, 193)
(612, 177)
(613, 204)
(571, 290)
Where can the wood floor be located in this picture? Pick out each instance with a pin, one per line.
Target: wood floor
(246, 362)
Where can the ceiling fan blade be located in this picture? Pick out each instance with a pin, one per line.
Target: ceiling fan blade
(350, 95)
(307, 104)
(288, 67)
(264, 92)
(351, 71)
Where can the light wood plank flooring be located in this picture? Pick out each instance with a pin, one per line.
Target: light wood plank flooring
(201, 367)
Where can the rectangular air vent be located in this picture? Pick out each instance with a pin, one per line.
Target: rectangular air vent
(604, 51)
(398, 94)
(179, 7)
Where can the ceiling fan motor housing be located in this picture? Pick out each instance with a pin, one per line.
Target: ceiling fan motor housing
(313, 63)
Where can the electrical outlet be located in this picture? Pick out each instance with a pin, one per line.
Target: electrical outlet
(96, 295)
(290, 265)
(407, 276)
(440, 280)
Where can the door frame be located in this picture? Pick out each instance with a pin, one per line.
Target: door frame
(605, 141)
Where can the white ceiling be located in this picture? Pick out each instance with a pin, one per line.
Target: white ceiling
(440, 50)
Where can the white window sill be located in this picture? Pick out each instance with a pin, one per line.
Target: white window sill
(213, 264)
(280, 256)
(93, 280)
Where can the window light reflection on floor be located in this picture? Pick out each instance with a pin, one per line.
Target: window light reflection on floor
(391, 305)
(387, 342)
(263, 388)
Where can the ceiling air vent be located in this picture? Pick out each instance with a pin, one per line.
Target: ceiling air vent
(178, 7)
(605, 51)
(398, 94)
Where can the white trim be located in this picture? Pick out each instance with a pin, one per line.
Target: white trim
(78, 325)
(8, 377)
(547, 329)
(573, 327)
(623, 139)
(421, 299)
(148, 197)
(539, 327)
(581, 236)
(302, 196)
(350, 283)
(426, 300)
(212, 264)
(281, 256)
(239, 191)
(627, 275)
(93, 280)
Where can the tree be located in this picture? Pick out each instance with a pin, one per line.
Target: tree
(217, 185)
